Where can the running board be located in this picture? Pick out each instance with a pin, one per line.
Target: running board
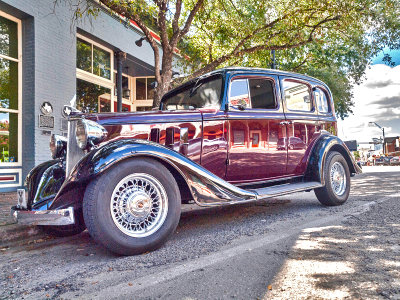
(284, 189)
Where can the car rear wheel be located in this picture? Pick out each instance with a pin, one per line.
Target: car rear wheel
(337, 181)
(132, 208)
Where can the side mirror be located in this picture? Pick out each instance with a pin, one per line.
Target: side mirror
(241, 107)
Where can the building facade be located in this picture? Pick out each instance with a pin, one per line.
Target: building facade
(47, 61)
(392, 145)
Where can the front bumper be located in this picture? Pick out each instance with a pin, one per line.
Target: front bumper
(57, 217)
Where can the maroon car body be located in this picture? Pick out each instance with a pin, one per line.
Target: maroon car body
(232, 135)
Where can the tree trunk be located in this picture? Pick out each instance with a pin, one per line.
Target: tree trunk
(164, 84)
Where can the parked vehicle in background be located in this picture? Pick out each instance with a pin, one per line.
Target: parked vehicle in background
(386, 160)
(395, 161)
(379, 161)
(231, 136)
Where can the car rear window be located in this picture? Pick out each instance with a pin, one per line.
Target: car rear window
(321, 99)
(297, 95)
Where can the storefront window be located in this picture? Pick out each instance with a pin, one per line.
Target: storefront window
(8, 137)
(84, 55)
(101, 63)
(140, 88)
(8, 38)
(92, 98)
(144, 89)
(9, 84)
(93, 59)
(9, 92)
(125, 85)
(150, 89)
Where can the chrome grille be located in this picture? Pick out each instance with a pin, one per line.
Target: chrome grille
(74, 153)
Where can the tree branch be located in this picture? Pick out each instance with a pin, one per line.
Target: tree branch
(190, 18)
(162, 26)
(175, 21)
(127, 11)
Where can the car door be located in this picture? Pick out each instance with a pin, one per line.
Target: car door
(302, 122)
(256, 129)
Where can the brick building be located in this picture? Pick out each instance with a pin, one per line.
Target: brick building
(47, 60)
(392, 145)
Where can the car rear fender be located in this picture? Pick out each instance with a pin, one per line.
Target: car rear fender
(325, 144)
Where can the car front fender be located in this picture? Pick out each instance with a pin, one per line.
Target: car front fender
(205, 187)
(319, 153)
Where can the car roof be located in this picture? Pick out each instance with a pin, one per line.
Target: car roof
(226, 70)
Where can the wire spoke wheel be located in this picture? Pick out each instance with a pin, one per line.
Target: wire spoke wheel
(338, 178)
(139, 205)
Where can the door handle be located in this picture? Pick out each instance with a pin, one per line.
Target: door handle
(285, 123)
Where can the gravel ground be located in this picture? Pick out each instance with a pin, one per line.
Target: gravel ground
(356, 259)
(209, 255)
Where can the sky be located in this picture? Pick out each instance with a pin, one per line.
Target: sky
(377, 99)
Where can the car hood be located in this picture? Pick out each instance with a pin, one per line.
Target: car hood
(147, 117)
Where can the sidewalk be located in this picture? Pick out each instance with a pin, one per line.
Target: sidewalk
(6, 201)
(9, 230)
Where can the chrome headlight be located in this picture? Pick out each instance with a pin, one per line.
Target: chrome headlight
(89, 133)
(58, 146)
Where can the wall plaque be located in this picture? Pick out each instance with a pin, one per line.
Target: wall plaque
(46, 121)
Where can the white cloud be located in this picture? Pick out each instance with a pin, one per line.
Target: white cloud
(377, 99)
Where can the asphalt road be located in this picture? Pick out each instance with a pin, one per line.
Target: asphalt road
(258, 250)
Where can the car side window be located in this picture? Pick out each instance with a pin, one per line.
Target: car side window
(321, 99)
(297, 95)
(256, 93)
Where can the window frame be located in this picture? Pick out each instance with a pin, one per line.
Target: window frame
(310, 92)
(95, 79)
(19, 110)
(265, 77)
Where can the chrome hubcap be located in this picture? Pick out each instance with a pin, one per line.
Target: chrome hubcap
(139, 205)
(338, 178)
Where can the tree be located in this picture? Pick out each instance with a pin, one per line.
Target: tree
(228, 32)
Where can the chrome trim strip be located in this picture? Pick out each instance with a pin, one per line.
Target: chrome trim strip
(263, 196)
(266, 181)
(56, 217)
(295, 190)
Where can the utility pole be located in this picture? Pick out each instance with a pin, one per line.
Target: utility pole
(383, 134)
(273, 65)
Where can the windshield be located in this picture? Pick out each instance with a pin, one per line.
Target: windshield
(202, 94)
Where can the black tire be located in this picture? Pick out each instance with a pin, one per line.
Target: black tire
(67, 230)
(326, 194)
(97, 211)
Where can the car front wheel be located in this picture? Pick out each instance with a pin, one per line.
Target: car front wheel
(337, 181)
(132, 208)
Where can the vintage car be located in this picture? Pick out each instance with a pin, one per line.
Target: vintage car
(222, 138)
